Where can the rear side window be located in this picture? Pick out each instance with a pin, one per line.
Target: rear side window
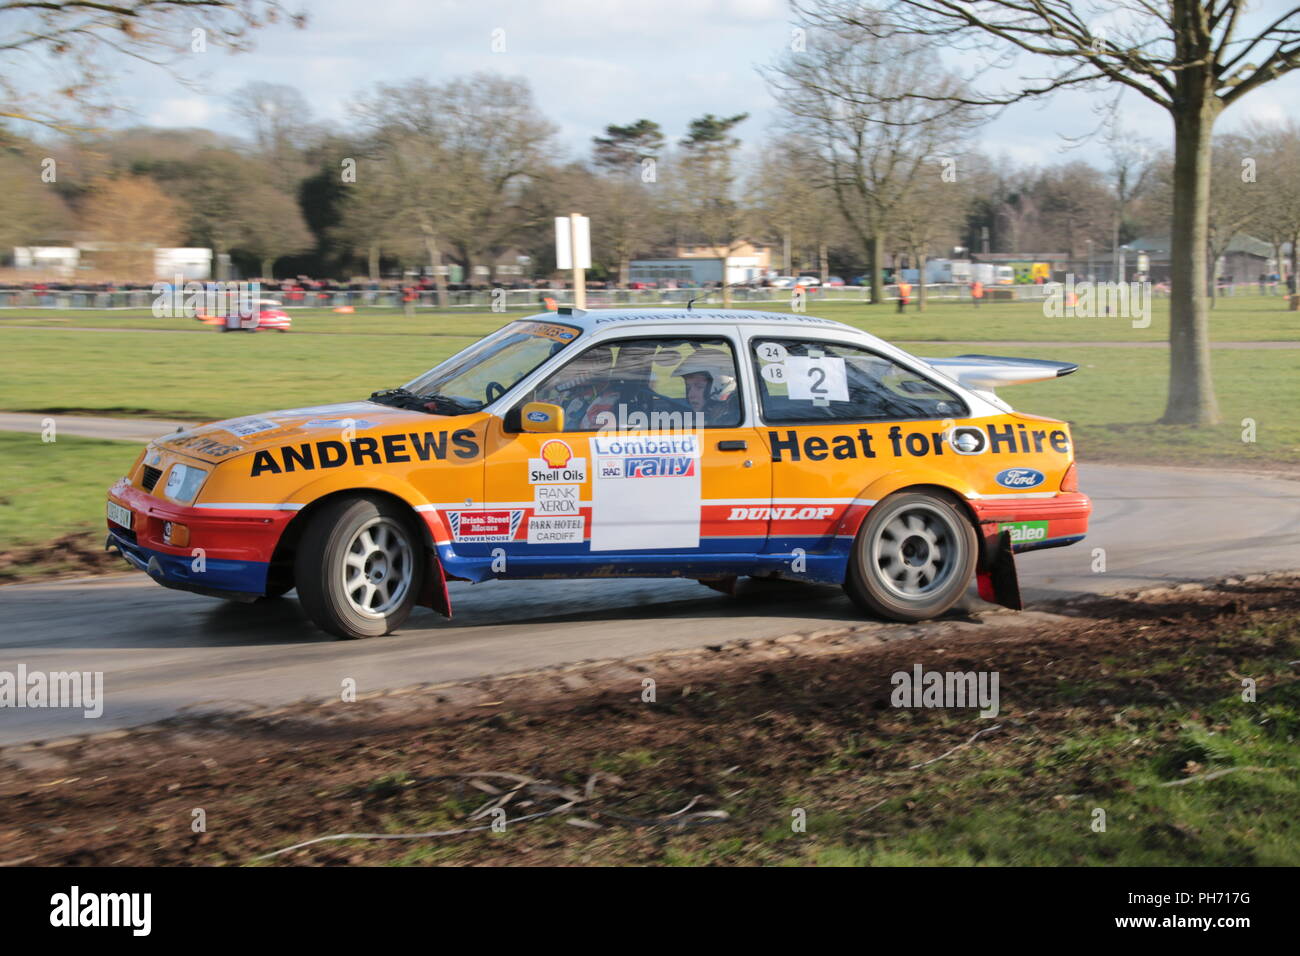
(810, 381)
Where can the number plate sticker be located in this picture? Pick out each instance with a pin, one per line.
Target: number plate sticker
(811, 379)
(119, 515)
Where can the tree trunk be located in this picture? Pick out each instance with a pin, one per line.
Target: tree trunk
(1191, 389)
(268, 266)
(435, 263)
(372, 264)
(876, 254)
(823, 262)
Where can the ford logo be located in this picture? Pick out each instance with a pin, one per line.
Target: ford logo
(1020, 478)
(543, 417)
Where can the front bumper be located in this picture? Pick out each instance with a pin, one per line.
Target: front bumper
(229, 550)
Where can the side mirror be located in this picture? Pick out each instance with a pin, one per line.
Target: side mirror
(542, 417)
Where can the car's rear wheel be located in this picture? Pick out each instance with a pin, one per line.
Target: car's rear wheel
(359, 566)
(913, 557)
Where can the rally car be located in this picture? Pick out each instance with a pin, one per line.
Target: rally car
(262, 314)
(713, 445)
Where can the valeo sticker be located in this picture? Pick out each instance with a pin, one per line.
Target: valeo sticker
(1023, 532)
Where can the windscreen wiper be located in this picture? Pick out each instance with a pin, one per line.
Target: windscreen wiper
(441, 402)
(399, 398)
(434, 404)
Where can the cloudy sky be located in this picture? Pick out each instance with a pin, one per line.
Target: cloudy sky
(590, 63)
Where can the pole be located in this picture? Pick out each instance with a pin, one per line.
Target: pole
(579, 273)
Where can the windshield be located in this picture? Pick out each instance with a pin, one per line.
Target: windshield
(483, 372)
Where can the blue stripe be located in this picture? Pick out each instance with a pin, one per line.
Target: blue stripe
(723, 556)
(176, 570)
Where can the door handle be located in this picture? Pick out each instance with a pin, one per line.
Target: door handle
(738, 444)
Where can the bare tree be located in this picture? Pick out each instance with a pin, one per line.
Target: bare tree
(1277, 195)
(793, 205)
(129, 217)
(847, 94)
(1193, 58)
(461, 155)
(931, 216)
(279, 230)
(69, 41)
(1234, 195)
(1130, 175)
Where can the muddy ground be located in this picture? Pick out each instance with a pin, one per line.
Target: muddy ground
(1104, 703)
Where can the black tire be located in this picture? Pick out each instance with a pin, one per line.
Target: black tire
(386, 577)
(913, 557)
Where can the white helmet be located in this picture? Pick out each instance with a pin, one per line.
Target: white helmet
(716, 364)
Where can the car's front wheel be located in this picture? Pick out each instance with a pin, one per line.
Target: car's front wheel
(359, 566)
(913, 557)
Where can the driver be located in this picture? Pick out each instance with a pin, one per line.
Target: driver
(627, 390)
(709, 377)
(585, 389)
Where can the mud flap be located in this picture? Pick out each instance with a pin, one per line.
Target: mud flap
(726, 584)
(998, 582)
(434, 593)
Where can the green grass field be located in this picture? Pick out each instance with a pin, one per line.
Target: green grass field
(1241, 318)
(51, 489)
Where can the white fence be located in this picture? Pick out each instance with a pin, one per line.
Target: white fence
(505, 300)
(515, 300)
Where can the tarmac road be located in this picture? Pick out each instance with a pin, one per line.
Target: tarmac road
(165, 652)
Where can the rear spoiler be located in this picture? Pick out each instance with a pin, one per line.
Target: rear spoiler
(987, 372)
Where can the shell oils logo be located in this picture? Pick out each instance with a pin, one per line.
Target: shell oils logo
(556, 465)
(556, 454)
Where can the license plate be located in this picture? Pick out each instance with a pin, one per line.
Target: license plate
(119, 515)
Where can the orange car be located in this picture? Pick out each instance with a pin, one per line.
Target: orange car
(703, 444)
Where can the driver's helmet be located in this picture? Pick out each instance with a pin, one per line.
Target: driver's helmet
(717, 365)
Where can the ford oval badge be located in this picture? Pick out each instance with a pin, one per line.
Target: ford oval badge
(1020, 478)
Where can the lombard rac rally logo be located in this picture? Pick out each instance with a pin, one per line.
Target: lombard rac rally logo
(1020, 478)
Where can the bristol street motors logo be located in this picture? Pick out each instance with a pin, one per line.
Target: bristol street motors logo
(1020, 478)
(557, 465)
(480, 526)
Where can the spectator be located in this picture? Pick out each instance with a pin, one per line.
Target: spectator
(976, 292)
(904, 290)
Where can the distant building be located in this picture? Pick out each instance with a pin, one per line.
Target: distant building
(1244, 259)
(700, 263)
(47, 260)
(65, 261)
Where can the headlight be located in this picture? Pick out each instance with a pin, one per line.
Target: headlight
(184, 482)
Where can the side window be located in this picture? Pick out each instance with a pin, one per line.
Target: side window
(828, 381)
(662, 384)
